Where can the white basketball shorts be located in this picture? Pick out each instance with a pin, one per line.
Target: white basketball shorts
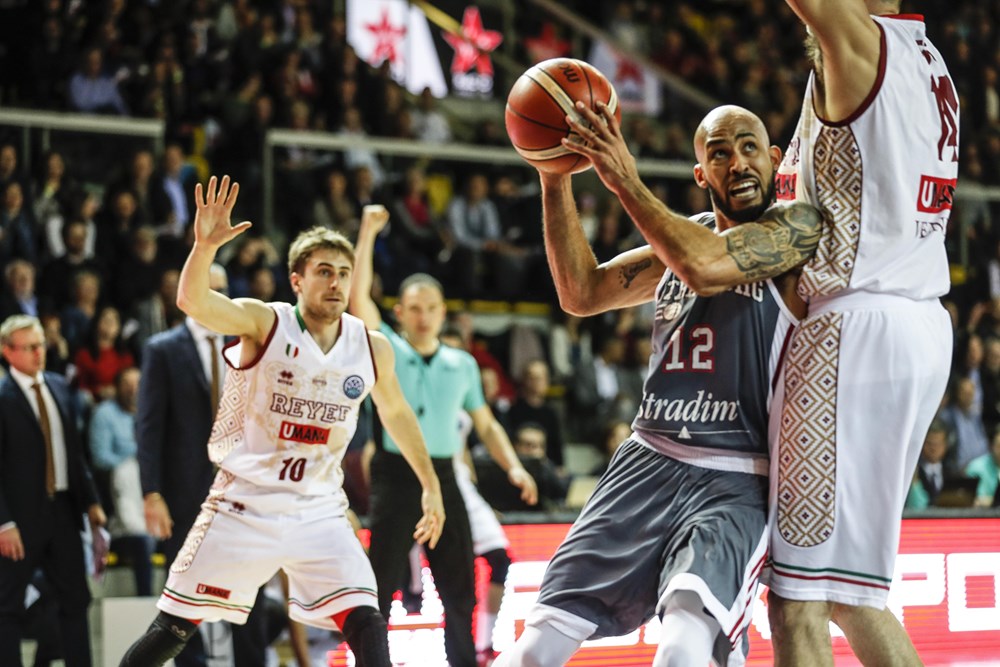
(864, 378)
(244, 535)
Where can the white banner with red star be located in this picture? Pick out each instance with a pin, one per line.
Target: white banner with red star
(392, 30)
(637, 87)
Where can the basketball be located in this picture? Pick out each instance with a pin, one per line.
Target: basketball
(537, 107)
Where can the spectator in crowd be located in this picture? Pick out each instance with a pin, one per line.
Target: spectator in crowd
(18, 296)
(970, 361)
(932, 468)
(333, 208)
(115, 225)
(262, 284)
(990, 381)
(138, 179)
(113, 450)
(53, 191)
(596, 394)
(93, 90)
(986, 469)
(57, 353)
(474, 223)
(17, 225)
(10, 168)
(965, 423)
(531, 407)
(531, 445)
(570, 345)
(613, 434)
(72, 257)
(103, 356)
(45, 489)
(171, 200)
(139, 271)
(253, 253)
(84, 207)
(158, 312)
(417, 236)
(429, 124)
(80, 311)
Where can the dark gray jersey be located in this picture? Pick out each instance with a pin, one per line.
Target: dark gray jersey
(708, 389)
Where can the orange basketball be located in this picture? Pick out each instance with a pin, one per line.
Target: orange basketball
(537, 107)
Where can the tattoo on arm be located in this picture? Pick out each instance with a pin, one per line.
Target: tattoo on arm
(629, 272)
(784, 238)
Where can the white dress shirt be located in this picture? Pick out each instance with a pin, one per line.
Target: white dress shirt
(201, 334)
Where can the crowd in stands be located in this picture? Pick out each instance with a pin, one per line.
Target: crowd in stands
(96, 256)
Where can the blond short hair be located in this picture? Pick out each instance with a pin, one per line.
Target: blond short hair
(18, 323)
(311, 240)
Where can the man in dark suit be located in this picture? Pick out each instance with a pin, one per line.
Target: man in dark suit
(45, 488)
(182, 376)
(171, 193)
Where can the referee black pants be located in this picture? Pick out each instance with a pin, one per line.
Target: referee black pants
(395, 510)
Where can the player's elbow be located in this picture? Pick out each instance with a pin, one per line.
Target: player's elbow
(577, 305)
(701, 277)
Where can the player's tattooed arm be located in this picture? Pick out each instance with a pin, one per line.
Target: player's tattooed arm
(785, 237)
(629, 272)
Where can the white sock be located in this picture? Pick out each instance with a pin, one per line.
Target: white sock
(484, 630)
(539, 645)
(688, 633)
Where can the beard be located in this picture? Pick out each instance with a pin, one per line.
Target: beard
(749, 214)
(815, 54)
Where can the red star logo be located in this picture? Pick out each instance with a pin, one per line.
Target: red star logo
(628, 70)
(546, 45)
(473, 46)
(386, 37)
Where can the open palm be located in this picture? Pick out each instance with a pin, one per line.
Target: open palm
(212, 225)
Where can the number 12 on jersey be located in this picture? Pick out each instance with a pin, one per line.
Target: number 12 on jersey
(700, 341)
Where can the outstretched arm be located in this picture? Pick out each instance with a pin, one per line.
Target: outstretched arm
(374, 218)
(248, 318)
(401, 424)
(850, 43)
(498, 445)
(784, 237)
(584, 286)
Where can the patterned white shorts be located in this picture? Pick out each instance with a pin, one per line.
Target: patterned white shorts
(860, 389)
(244, 535)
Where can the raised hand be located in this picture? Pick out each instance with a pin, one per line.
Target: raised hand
(432, 522)
(374, 218)
(600, 139)
(212, 226)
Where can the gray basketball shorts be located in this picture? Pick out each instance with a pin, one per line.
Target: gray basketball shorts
(653, 526)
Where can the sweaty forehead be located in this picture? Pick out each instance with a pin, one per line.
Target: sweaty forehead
(729, 125)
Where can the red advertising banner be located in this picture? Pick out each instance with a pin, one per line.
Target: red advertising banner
(946, 591)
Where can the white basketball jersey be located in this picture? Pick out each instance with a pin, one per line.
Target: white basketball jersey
(285, 420)
(886, 175)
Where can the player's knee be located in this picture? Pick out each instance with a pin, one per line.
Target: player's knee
(791, 617)
(165, 638)
(367, 634)
(499, 563)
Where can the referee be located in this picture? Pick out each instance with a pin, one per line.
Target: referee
(438, 382)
